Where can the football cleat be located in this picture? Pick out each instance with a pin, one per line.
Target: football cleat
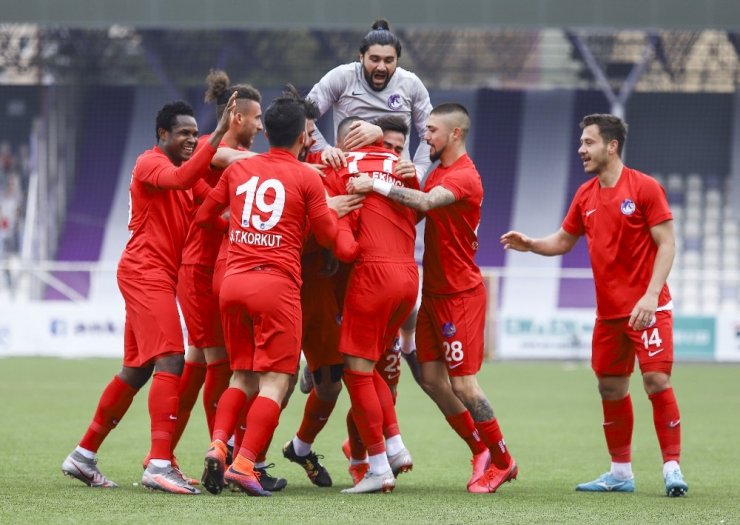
(358, 471)
(306, 382)
(384, 482)
(401, 462)
(86, 470)
(316, 472)
(214, 466)
(493, 478)
(480, 463)
(607, 483)
(166, 479)
(675, 485)
(247, 481)
(269, 482)
(191, 481)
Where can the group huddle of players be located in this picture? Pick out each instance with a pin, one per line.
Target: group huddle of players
(297, 250)
(316, 254)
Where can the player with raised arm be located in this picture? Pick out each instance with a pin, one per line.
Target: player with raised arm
(451, 321)
(372, 87)
(625, 217)
(270, 197)
(206, 360)
(162, 192)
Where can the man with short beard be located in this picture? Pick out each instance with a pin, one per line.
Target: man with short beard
(624, 214)
(373, 87)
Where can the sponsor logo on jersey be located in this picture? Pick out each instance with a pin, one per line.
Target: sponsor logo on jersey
(394, 102)
(628, 207)
(357, 93)
(448, 329)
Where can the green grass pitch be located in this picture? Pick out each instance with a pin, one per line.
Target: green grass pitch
(549, 412)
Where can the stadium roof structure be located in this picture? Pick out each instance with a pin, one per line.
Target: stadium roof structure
(344, 14)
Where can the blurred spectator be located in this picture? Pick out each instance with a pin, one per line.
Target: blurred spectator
(11, 202)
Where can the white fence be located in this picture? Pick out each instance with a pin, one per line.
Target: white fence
(532, 328)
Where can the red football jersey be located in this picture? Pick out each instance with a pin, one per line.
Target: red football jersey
(202, 244)
(617, 222)
(270, 197)
(451, 232)
(160, 211)
(384, 228)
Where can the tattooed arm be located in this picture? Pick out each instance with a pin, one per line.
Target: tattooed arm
(415, 199)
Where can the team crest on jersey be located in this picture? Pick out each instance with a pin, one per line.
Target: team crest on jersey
(394, 102)
(628, 207)
(448, 329)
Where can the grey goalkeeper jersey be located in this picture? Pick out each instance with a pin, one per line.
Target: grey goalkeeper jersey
(345, 89)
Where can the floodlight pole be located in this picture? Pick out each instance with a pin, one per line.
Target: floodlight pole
(618, 101)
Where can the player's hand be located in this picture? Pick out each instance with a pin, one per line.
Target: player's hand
(331, 263)
(344, 204)
(362, 183)
(516, 241)
(318, 168)
(643, 314)
(362, 133)
(333, 157)
(405, 169)
(225, 121)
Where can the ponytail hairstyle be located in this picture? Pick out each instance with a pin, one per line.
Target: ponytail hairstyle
(380, 34)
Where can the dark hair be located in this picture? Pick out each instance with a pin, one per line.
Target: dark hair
(611, 127)
(312, 109)
(167, 116)
(380, 34)
(220, 91)
(453, 108)
(392, 123)
(285, 119)
(343, 127)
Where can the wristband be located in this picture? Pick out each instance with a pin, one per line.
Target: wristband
(382, 186)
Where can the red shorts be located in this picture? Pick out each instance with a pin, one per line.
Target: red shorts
(380, 296)
(152, 321)
(219, 270)
(450, 328)
(199, 306)
(261, 313)
(321, 320)
(615, 345)
(389, 364)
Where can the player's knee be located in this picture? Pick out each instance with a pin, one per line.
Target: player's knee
(135, 377)
(172, 363)
(655, 382)
(328, 390)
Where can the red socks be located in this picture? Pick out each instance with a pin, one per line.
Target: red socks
(491, 435)
(667, 422)
(387, 404)
(618, 424)
(163, 405)
(113, 404)
(367, 409)
(464, 425)
(315, 415)
(356, 446)
(229, 412)
(216, 382)
(262, 419)
(191, 380)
